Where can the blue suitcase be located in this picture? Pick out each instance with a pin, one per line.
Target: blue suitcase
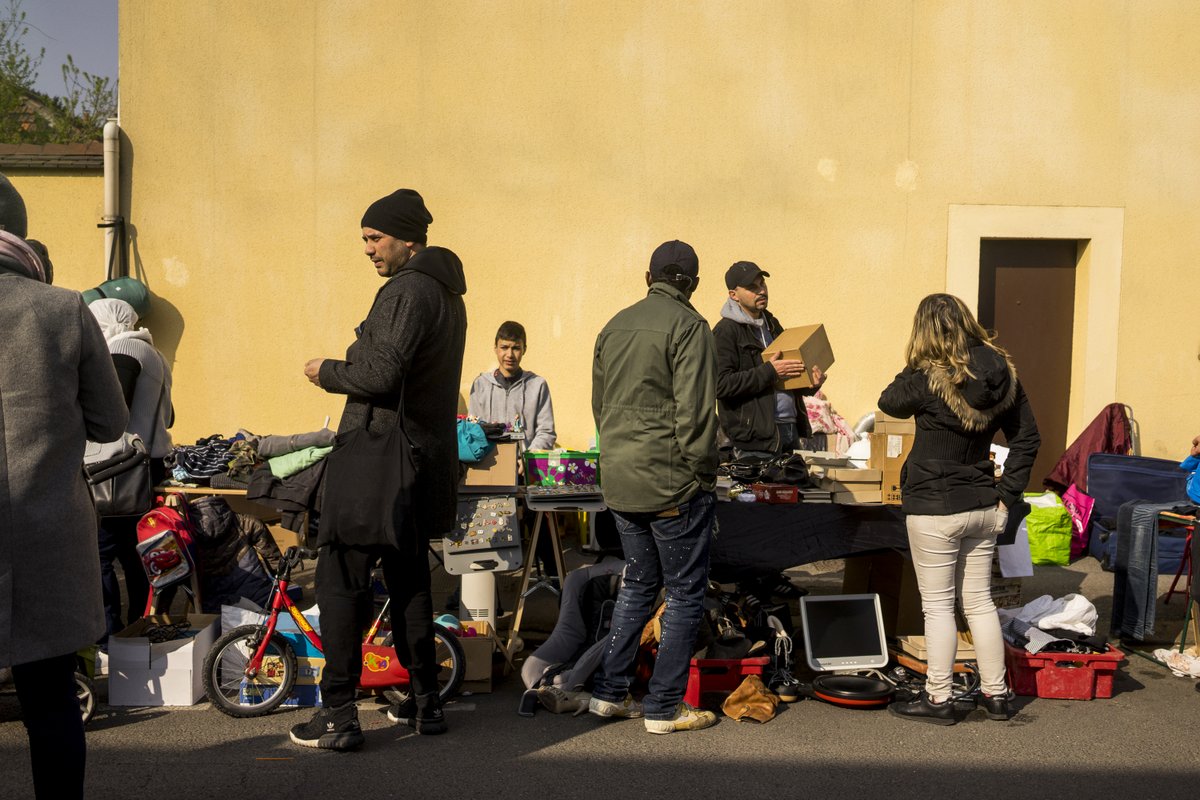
(1115, 479)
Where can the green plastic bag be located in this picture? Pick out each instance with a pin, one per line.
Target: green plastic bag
(1049, 527)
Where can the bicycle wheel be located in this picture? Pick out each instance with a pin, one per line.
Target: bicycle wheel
(235, 693)
(451, 661)
(85, 693)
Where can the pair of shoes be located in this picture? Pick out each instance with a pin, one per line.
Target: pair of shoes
(626, 709)
(997, 706)
(423, 713)
(923, 709)
(686, 719)
(330, 729)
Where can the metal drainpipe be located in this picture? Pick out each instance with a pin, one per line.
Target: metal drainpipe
(113, 224)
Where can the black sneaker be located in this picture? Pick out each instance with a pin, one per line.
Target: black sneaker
(404, 712)
(925, 710)
(998, 707)
(330, 729)
(429, 720)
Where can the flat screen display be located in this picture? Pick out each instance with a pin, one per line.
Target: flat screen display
(843, 632)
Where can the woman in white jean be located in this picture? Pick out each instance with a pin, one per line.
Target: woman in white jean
(962, 388)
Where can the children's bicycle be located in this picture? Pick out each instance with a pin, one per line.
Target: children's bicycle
(252, 669)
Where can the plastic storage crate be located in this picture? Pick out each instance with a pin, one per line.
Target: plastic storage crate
(1062, 676)
(559, 467)
(710, 680)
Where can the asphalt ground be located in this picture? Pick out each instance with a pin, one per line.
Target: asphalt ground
(1145, 741)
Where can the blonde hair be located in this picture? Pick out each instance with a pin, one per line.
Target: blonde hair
(943, 328)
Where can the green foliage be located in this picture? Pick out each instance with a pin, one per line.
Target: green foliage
(29, 117)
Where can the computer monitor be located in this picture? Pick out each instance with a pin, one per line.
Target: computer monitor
(843, 632)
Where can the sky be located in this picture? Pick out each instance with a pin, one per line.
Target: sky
(86, 29)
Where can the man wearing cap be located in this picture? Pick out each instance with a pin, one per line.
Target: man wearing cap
(407, 360)
(653, 389)
(756, 416)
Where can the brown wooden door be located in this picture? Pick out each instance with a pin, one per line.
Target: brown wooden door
(1027, 295)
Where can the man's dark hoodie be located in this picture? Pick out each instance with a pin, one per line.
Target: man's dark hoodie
(948, 470)
(409, 351)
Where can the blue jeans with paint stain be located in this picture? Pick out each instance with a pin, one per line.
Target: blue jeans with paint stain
(665, 549)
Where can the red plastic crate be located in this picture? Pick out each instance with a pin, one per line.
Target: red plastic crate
(710, 680)
(1063, 676)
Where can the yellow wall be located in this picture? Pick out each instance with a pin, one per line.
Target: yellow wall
(64, 207)
(558, 143)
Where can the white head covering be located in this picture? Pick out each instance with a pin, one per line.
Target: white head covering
(115, 316)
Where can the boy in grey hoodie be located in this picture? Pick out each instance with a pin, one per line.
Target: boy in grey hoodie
(512, 395)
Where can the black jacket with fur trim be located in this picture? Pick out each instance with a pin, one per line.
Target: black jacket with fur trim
(949, 470)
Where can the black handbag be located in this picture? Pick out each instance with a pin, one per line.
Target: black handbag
(369, 480)
(790, 469)
(119, 475)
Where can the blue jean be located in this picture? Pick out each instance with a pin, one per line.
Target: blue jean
(670, 551)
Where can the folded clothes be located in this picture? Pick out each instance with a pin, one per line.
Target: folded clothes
(289, 464)
(278, 445)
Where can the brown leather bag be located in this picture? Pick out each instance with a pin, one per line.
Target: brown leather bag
(751, 700)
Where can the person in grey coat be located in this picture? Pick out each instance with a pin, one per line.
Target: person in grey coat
(512, 395)
(58, 389)
(407, 359)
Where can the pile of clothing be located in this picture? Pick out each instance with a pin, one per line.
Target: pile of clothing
(1053, 625)
(228, 463)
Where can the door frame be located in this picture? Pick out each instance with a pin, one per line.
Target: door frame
(1099, 232)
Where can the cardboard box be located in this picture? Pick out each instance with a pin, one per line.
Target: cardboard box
(496, 469)
(915, 647)
(886, 424)
(853, 475)
(478, 650)
(888, 453)
(141, 673)
(807, 342)
(890, 575)
(858, 497)
(283, 537)
(775, 493)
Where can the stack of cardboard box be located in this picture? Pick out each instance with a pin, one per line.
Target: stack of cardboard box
(853, 486)
(891, 442)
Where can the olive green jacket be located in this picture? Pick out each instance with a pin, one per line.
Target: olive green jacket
(654, 381)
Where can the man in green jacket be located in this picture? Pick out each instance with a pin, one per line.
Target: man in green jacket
(653, 397)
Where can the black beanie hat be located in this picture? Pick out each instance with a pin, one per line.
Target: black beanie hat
(12, 209)
(401, 214)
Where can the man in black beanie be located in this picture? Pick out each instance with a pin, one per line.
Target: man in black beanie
(406, 361)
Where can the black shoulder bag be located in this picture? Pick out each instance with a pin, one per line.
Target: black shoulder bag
(119, 475)
(369, 480)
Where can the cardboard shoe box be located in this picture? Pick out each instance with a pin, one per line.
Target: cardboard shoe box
(145, 673)
(808, 342)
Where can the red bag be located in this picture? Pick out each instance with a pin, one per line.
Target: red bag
(1079, 506)
(165, 543)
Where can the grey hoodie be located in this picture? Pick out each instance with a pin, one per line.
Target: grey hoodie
(786, 409)
(528, 399)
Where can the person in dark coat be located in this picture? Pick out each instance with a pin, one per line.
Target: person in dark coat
(962, 389)
(408, 355)
(757, 417)
(58, 388)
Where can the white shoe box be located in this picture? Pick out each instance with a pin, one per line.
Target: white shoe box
(141, 673)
